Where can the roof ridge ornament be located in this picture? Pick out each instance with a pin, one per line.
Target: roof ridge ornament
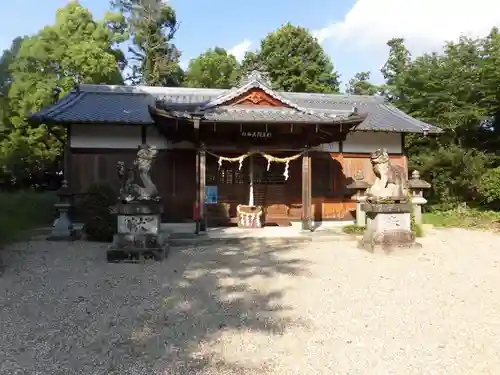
(260, 76)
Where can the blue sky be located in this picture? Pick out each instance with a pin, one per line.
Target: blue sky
(352, 32)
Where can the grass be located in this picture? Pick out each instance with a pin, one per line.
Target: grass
(464, 218)
(353, 229)
(21, 212)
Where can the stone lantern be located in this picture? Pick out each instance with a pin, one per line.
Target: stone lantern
(63, 227)
(359, 186)
(417, 187)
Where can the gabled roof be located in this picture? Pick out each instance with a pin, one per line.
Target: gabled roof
(130, 105)
(245, 113)
(255, 80)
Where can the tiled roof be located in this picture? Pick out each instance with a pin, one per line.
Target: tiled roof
(272, 114)
(98, 107)
(253, 81)
(129, 105)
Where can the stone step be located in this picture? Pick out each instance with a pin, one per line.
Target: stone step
(188, 239)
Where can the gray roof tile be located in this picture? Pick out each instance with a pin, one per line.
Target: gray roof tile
(129, 104)
(272, 114)
(93, 107)
(253, 81)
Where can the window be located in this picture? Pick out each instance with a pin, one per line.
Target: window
(273, 176)
(228, 174)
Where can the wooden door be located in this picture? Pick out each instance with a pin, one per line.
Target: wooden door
(274, 191)
(271, 189)
(232, 188)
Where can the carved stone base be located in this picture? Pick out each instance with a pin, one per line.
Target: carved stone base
(137, 248)
(388, 227)
(249, 216)
(138, 236)
(388, 241)
(63, 228)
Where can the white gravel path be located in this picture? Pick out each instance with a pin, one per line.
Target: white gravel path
(283, 308)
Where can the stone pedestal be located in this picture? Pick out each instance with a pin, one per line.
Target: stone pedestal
(359, 186)
(63, 228)
(138, 232)
(388, 227)
(417, 203)
(417, 187)
(360, 214)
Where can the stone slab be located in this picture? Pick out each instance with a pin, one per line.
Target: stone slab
(388, 229)
(382, 221)
(141, 240)
(388, 241)
(134, 208)
(139, 224)
(386, 207)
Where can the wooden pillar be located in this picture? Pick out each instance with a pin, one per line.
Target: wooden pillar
(143, 135)
(306, 192)
(197, 202)
(67, 158)
(196, 127)
(201, 212)
(251, 198)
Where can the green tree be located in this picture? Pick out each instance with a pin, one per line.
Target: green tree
(294, 61)
(361, 85)
(457, 90)
(76, 49)
(152, 25)
(449, 89)
(251, 61)
(214, 68)
(395, 67)
(6, 60)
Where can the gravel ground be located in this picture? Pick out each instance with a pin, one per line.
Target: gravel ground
(265, 308)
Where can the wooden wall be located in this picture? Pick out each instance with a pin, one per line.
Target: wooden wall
(174, 175)
(337, 206)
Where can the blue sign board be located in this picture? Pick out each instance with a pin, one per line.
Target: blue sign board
(211, 194)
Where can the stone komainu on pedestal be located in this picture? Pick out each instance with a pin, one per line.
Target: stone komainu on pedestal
(387, 208)
(390, 182)
(138, 213)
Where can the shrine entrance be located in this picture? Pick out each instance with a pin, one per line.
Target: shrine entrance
(257, 181)
(252, 187)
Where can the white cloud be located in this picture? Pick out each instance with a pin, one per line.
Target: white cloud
(240, 49)
(237, 51)
(184, 64)
(425, 24)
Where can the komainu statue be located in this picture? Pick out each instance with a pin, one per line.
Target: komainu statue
(390, 181)
(129, 191)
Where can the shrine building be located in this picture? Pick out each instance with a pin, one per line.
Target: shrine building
(292, 154)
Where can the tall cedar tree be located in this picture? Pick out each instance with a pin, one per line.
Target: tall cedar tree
(214, 68)
(6, 60)
(360, 85)
(457, 90)
(152, 25)
(294, 61)
(76, 49)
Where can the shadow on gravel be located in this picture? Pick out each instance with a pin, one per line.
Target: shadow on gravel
(67, 311)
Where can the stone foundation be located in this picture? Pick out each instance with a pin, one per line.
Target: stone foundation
(138, 236)
(388, 227)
